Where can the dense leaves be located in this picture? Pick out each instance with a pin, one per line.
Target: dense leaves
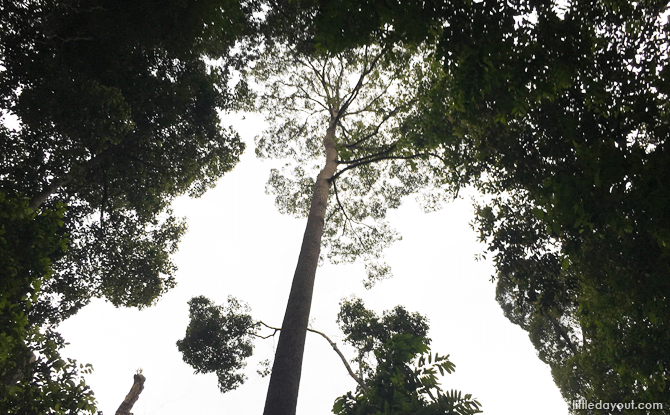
(29, 242)
(140, 127)
(34, 379)
(50, 384)
(402, 376)
(218, 339)
(576, 148)
(109, 111)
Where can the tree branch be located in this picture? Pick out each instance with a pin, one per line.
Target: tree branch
(332, 344)
(376, 131)
(339, 173)
(358, 160)
(561, 332)
(354, 93)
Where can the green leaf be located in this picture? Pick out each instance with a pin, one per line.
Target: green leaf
(566, 263)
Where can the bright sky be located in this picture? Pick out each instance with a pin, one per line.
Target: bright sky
(238, 244)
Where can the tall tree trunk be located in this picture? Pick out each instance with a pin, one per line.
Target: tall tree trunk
(282, 395)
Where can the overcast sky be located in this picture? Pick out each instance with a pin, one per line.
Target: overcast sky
(238, 244)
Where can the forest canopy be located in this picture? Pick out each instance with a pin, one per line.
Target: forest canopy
(557, 112)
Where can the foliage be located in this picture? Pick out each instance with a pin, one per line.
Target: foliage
(218, 339)
(367, 332)
(572, 129)
(403, 377)
(559, 112)
(341, 24)
(28, 243)
(140, 127)
(52, 386)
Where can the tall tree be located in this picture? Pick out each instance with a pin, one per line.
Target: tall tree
(342, 106)
(559, 111)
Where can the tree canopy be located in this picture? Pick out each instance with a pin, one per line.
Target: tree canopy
(557, 112)
(110, 111)
(218, 339)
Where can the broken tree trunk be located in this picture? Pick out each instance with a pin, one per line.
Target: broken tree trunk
(132, 396)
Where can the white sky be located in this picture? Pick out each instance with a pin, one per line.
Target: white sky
(238, 244)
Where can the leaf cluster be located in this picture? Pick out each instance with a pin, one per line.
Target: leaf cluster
(218, 339)
(403, 378)
(49, 384)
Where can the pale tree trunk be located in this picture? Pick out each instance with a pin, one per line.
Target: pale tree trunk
(282, 396)
(42, 196)
(132, 396)
(57, 183)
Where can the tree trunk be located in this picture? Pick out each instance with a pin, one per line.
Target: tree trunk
(132, 396)
(42, 196)
(57, 183)
(282, 396)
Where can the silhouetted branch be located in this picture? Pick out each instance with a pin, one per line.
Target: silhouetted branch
(333, 345)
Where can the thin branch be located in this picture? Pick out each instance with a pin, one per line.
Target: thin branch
(367, 107)
(458, 183)
(359, 160)
(376, 131)
(348, 219)
(337, 350)
(269, 335)
(321, 76)
(105, 197)
(561, 331)
(366, 71)
(339, 173)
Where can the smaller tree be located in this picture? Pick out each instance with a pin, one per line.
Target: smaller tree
(218, 339)
(397, 367)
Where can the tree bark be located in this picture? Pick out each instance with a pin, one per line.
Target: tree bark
(282, 396)
(132, 396)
